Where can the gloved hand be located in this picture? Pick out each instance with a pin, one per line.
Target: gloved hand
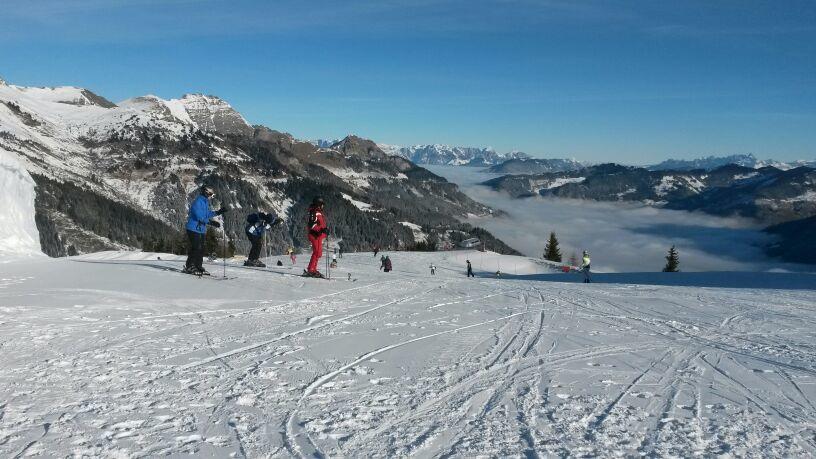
(222, 210)
(214, 223)
(277, 221)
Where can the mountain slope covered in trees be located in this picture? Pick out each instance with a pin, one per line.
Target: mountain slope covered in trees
(116, 176)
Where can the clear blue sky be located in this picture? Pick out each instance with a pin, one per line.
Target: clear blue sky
(633, 81)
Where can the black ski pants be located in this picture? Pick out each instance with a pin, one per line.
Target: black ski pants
(195, 251)
(257, 244)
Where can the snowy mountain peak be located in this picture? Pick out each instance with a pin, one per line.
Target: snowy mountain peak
(714, 162)
(440, 154)
(2, 81)
(211, 113)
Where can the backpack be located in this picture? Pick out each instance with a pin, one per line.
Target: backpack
(311, 218)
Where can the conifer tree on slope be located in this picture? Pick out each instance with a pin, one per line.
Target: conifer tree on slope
(672, 261)
(551, 250)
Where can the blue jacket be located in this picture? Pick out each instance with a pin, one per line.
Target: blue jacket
(257, 223)
(199, 215)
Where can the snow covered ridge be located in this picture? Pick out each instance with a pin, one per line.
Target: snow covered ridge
(767, 195)
(113, 176)
(446, 155)
(107, 356)
(714, 162)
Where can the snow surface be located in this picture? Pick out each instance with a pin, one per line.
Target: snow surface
(358, 204)
(561, 181)
(111, 355)
(18, 231)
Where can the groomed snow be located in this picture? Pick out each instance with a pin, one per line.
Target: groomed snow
(18, 231)
(111, 355)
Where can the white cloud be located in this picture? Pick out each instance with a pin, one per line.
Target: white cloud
(620, 238)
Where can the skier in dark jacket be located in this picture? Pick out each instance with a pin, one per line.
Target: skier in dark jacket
(257, 225)
(198, 218)
(317, 230)
(387, 264)
(469, 269)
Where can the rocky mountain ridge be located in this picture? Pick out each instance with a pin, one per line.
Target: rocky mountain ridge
(113, 176)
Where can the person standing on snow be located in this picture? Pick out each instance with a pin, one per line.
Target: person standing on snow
(469, 269)
(198, 217)
(292, 255)
(317, 232)
(585, 267)
(433, 270)
(387, 264)
(257, 225)
(376, 250)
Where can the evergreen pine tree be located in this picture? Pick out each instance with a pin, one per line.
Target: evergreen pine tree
(551, 250)
(672, 261)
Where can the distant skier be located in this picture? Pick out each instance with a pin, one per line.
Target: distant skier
(470, 269)
(198, 217)
(433, 270)
(376, 250)
(317, 231)
(333, 261)
(292, 255)
(257, 225)
(387, 265)
(585, 267)
(340, 251)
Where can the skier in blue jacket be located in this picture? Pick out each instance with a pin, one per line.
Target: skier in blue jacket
(257, 224)
(198, 218)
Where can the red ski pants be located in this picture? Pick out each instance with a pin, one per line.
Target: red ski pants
(317, 251)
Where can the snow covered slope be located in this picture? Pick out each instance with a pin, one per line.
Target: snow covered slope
(116, 355)
(18, 231)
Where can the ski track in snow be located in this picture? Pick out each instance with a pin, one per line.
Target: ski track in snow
(120, 357)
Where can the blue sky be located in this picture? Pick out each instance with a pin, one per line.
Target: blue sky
(633, 81)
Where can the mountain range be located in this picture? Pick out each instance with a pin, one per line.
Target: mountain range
(120, 175)
(768, 195)
(442, 155)
(714, 162)
(537, 166)
(783, 198)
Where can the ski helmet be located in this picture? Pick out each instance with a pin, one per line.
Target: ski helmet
(586, 253)
(208, 191)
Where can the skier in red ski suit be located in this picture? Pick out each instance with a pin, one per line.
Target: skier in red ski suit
(317, 231)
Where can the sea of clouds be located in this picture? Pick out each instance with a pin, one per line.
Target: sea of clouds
(620, 237)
